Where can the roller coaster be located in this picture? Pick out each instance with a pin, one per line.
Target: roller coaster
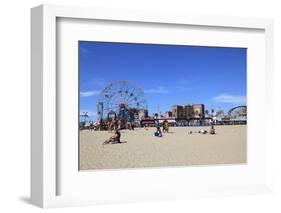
(238, 113)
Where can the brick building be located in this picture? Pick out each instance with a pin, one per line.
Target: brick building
(178, 112)
(198, 110)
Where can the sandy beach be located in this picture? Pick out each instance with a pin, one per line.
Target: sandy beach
(140, 148)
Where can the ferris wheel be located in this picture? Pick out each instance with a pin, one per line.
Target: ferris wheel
(121, 99)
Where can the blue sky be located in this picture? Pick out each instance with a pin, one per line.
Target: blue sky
(168, 74)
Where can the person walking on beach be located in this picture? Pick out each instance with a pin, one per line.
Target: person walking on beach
(165, 126)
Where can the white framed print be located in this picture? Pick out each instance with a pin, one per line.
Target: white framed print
(130, 106)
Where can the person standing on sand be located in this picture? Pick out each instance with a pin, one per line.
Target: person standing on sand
(109, 126)
(165, 126)
(114, 124)
(119, 124)
(91, 127)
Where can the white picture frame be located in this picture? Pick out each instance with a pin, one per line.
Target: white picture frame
(44, 148)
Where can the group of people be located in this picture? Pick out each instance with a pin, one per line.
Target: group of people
(158, 132)
(165, 126)
(117, 124)
(212, 131)
(113, 125)
(117, 135)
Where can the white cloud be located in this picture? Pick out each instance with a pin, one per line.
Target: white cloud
(231, 99)
(89, 93)
(158, 90)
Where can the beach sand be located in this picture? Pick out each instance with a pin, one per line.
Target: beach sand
(177, 148)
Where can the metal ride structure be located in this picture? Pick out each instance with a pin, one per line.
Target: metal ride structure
(121, 100)
(238, 113)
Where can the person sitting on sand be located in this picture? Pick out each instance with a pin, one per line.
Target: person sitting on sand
(212, 130)
(158, 132)
(115, 138)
